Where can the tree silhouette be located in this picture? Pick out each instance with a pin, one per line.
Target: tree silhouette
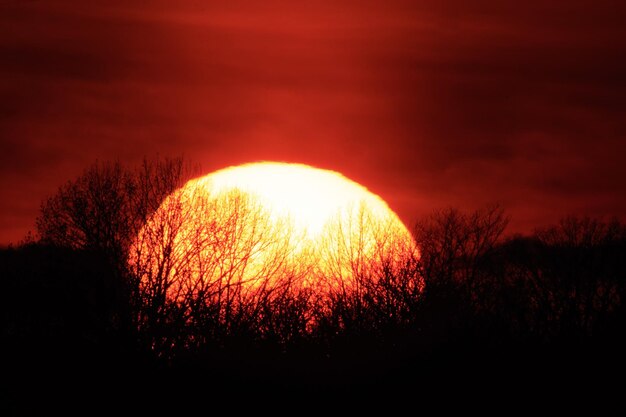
(214, 265)
(206, 263)
(103, 210)
(187, 280)
(575, 278)
(457, 260)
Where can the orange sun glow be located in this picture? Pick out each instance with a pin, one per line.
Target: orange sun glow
(268, 223)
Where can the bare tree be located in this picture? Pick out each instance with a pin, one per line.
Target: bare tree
(102, 211)
(578, 281)
(453, 244)
(91, 212)
(211, 262)
(368, 272)
(457, 253)
(103, 208)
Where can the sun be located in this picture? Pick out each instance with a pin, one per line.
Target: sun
(268, 224)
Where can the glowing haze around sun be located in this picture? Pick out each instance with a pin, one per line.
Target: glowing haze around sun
(269, 223)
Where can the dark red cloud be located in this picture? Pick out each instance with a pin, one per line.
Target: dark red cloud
(429, 105)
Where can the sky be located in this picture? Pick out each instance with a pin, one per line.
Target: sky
(429, 104)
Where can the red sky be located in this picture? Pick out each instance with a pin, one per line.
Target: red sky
(427, 103)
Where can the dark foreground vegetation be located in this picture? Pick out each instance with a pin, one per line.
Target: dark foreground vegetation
(478, 319)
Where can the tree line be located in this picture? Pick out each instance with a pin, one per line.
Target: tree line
(88, 280)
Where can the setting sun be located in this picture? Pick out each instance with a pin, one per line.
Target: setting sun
(269, 223)
(310, 197)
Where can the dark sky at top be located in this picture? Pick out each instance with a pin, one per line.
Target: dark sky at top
(427, 103)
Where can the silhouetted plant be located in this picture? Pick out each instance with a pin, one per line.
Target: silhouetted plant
(581, 278)
(104, 207)
(193, 274)
(456, 253)
(102, 211)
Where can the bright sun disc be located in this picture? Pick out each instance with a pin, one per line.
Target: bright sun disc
(271, 224)
(311, 197)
